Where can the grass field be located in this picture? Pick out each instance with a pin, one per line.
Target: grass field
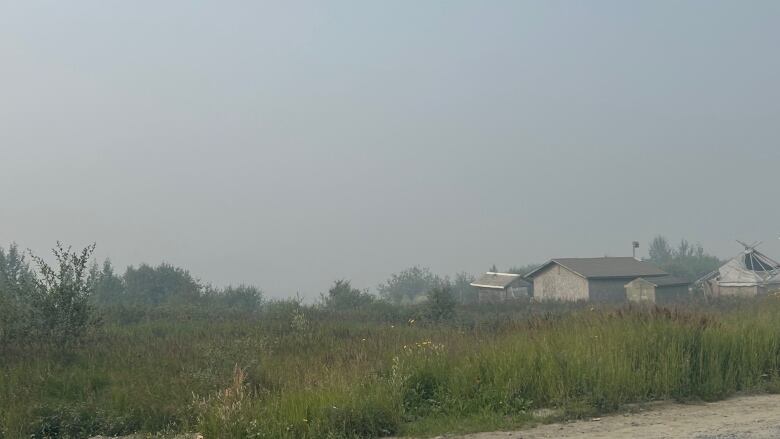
(293, 371)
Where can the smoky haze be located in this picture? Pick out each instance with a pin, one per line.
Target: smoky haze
(288, 144)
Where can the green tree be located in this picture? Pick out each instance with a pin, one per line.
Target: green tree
(441, 303)
(108, 287)
(660, 251)
(242, 297)
(15, 273)
(61, 298)
(343, 296)
(462, 289)
(160, 284)
(409, 284)
(16, 282)
(688, 261)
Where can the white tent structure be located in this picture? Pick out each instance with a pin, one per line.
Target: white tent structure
(750, 273)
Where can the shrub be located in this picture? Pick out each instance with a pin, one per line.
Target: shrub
(61, 297)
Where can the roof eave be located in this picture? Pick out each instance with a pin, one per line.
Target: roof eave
(552, 261)
(488, 286)
(627, 276)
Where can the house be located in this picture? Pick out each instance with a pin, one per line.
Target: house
(658, 289)
(596, 279)
(750, 273)
(498, 287)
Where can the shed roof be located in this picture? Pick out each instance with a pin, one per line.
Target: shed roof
(606, 267)
(497, 280)
(663, 281)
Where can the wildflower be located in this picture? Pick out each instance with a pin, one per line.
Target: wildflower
(363, 339)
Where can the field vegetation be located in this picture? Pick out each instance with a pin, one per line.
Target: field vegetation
(156, 351)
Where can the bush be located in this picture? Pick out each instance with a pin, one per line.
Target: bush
(61, 297)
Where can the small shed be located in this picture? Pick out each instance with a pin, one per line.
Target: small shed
(664, 289)
(499, 287)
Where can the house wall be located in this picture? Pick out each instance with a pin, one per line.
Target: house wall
(738, 291)
(640, 292)
(608, 290)
(558, 283)
(711, 288)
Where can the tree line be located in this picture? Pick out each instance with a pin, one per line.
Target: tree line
(59, 302)
(688, 261)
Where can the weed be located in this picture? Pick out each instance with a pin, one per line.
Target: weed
(346, 374)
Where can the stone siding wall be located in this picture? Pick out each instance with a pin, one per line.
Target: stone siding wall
(558, 283)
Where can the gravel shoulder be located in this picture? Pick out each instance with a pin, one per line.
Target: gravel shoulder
(745, 417)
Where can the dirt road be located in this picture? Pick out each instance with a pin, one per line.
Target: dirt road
(748, 417)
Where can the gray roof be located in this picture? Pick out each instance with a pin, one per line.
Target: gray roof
(665, 281)
(498, 280)
(618, 267)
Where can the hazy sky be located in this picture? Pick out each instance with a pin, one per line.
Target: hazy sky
(289, 144)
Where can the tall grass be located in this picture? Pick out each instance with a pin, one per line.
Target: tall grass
(307, 373)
